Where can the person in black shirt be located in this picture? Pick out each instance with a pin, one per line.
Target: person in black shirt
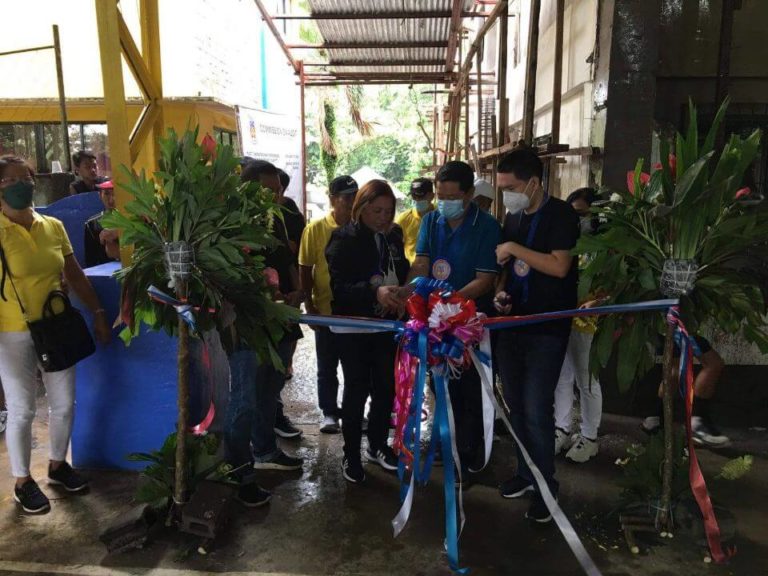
(294, 223)
(540, 275)
(101, 246)
(87, 172)
(294, 219)
(250, 432)
(367, 265)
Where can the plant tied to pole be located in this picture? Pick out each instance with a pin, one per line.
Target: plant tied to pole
(200, 234)
(689, 229)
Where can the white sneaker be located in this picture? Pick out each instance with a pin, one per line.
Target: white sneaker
(562, 441)
(330, 425)
(651, 424)
(3, 420)
(706, 434)
(582, 450)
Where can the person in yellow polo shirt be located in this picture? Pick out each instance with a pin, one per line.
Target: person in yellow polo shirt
(422, 192)
(34, 252)
(316, 284)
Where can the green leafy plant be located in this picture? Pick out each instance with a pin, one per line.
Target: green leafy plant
(197, 197)
(641, 470)
(156, 482)
(690, 207)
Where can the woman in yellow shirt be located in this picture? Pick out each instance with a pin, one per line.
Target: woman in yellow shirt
(37, 251)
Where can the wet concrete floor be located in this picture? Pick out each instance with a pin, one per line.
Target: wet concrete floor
(317, 524)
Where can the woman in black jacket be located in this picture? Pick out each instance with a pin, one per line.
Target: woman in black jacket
(367, 264)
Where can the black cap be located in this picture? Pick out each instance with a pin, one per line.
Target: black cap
(421, 187)
(342, 185)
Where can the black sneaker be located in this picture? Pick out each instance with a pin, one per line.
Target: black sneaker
(515, 487)
(31, 498)
(66, 477)
(280, 462)
(285, 428)
(385, 458)
(538, 512)
(253, 496)
(352, 471)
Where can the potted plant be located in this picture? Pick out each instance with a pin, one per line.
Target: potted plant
(199, 235)
(689, 230)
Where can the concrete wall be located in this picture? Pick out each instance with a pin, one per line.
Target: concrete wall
(579, 37)
(688, 57)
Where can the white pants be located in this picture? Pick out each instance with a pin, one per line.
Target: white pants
(576, 367)
(18, 370)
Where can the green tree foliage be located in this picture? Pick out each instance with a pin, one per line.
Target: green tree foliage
(397, 147)
(328, 154)
(387, 155)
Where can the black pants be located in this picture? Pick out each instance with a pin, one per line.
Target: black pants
(368, 361)
(529, 366)
(327, 364)
(467, 404)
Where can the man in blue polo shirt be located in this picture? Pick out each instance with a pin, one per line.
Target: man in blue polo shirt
(457, 243)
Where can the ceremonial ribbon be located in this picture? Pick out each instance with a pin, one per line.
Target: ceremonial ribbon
(688, 347)
(444, 340)
(186, 313)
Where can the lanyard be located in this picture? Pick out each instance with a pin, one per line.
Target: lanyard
(520, 282)
(442, 243)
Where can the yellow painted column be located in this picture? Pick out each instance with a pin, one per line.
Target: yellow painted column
(118, 132)
(149, 15)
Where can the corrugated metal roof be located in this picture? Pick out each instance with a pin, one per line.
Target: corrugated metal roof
(377, 6)
(386, 32)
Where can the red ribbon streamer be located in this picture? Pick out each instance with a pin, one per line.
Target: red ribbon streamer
(695, 476)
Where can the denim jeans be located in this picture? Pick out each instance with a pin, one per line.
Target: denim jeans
(327, 366)
(255, 388)
(529, 367)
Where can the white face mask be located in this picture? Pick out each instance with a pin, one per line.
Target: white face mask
(515, 201)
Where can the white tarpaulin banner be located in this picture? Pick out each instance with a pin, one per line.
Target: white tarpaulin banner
(275, 138)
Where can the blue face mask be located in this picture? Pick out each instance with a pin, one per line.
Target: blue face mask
(451, 209)
(423, 205)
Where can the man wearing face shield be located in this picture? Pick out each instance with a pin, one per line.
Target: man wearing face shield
(540, 275)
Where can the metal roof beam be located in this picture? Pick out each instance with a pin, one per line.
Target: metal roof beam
(377, 16)
(377, 63)
(358, 45)
(275, 32)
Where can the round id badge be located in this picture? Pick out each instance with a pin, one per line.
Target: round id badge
(521, 268)
(441, 269)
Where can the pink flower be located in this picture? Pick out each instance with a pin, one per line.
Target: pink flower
(273, 278)
(644, 179)
(672, 164)
(742, 192)
(672, 161)
(209, 147)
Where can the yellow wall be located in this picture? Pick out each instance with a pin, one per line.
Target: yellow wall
(177, 115)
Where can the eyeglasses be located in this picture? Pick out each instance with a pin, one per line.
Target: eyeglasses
(14, 179)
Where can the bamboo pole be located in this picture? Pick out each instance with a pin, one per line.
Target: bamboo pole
(62, 98)
(529, 97)
(180, 484)
(668, 385)
(479, 69)
(557, 83)
(503, 119)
